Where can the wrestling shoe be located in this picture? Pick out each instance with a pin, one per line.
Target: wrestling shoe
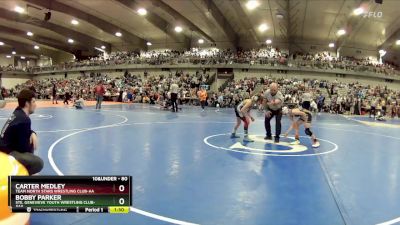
(315, 144)
(296, 142)
(233, 135)
(247, 139)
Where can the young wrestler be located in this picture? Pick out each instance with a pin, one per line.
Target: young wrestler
(305, 118)
(242, 111)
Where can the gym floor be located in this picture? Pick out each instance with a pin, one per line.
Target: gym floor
(187, 170)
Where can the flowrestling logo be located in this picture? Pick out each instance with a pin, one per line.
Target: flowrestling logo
(372, 14)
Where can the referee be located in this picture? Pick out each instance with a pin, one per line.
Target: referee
(273, 101)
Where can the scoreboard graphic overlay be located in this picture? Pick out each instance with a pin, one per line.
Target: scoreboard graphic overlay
(73, 194)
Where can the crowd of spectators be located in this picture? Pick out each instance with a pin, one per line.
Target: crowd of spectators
(211, 56)
(325, 61)
(231, 93)
(9, 68)
(334, 97)
(125, 88)
(359, 99)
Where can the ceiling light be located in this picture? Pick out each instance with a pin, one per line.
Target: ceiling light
(36, 47)
(22, 57)
(268, 41)
(201, 41)
(279, 15)
(1, 43)
(8, 56)
(358, 11)
(149, 43)
(70, 41)
(118, 34)
(341, 32)
(263, 27)
(19, 9)
(397, 42)
(74, 22)
(331, 45)
(142, 11)
(29, 33)
(178, 29)
(99, 49)
(252, 4)
(13, 52)
(103, 47)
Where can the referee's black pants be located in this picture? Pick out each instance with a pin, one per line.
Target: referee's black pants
(278, 125)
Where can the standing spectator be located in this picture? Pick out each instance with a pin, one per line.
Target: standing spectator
(120, 96)
(220, 102)
(99, 92)
(67, 97)
(273, 101)
(54, 92)
(174, 89)
(357, 107)
(372, 110)
(202, 97)
(384, 108)
(320, 102)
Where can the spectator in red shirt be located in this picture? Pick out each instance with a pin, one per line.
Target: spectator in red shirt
(99, 92)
